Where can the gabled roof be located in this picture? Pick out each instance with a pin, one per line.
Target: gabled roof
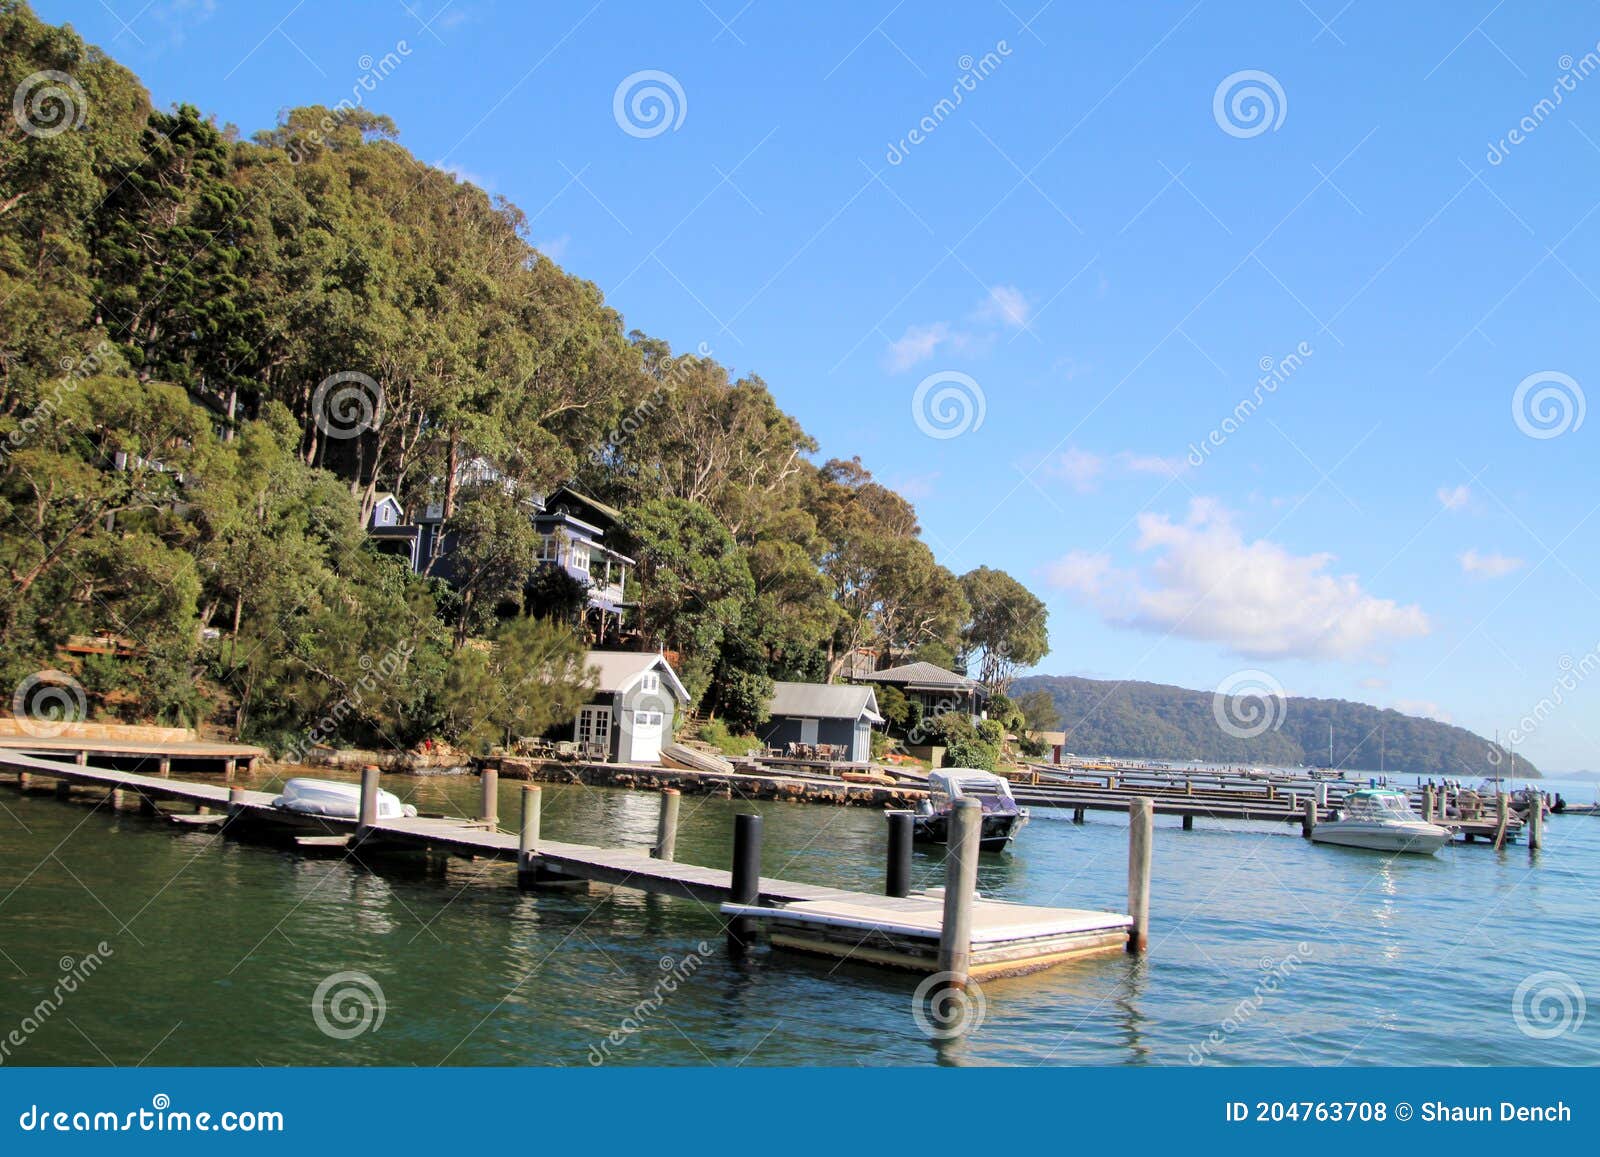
(594, 504)
(921, 675)
(617, 671)
(824, 701)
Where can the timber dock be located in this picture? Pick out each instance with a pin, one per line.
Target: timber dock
(950, 932)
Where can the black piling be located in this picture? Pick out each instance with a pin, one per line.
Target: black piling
(898, 878)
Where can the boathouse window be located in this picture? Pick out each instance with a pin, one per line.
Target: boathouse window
(650, 682)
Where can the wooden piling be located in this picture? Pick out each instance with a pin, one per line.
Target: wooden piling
(81, 759)
(489, 797)
(229, 766)
(1427, 804)
(745, 884)
(236, 802)
(164, 768)
(897, 879)
(528, 833)
(1188, 821)
(369, 799)
(1502, 825)
(1078, 815)
(1536, 822)
(1308, 817)
(63, 789)
(667, 825)
(1141, 838)
(960, 883)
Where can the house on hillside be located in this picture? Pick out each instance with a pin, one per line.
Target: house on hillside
(1054, 741)
(573, 528)
(813, 713)
(937, 690)
(630, 717)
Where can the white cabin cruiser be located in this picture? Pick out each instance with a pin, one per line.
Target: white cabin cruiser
(1381, 819)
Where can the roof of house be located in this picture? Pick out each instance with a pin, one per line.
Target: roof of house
(619, 670)
(921, 675)
(824, 701)
(610, 512)
(1051, 737)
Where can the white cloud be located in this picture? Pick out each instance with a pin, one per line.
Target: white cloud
(1373, 683)
(1455, 497)
(1083, 469)
(1205, 581)
(1079, 468)
(1489, 565)
(555, 248)
(1153, 464)
(1006, 305)
(1423, 707)
(916, 487)
(918, 344)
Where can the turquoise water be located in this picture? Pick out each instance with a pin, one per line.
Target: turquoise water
(1265, 949)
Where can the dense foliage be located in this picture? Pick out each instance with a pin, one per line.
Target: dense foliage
(1156, 721)
(215, 354)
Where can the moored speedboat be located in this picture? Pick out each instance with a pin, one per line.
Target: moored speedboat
(1381, 820)
(1003, 818)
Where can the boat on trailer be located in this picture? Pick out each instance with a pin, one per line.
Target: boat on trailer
(1381, 820)
(1003, 818)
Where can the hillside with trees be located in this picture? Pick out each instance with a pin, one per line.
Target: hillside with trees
(1156, 721)
(218, 350)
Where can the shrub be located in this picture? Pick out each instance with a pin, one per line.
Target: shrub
(971, 753)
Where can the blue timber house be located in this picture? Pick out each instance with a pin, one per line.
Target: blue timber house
(573, 530)
(809, 714)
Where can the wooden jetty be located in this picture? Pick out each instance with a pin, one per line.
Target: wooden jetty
(969, 936)
(148, 755)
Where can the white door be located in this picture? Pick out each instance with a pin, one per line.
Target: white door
(593, 731)
(646, 737)
(808, 731)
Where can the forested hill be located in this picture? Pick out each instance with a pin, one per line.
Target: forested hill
(1164, 722)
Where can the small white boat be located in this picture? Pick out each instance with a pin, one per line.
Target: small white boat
(329, 797)
(1382, 820)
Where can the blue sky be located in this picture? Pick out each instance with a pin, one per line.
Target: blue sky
(1102, 249)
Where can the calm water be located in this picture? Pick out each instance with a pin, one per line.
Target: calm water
(1266, 949)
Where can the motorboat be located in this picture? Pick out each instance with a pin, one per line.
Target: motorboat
(1381, 819)
(329, 797)
(1002, 817)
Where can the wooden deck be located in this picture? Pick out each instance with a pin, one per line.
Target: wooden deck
(138, 755)
(1007, 937)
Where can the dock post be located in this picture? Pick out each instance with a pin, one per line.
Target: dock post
(1077, 815)
(1188, 821)
(369, 799)
(164, 768)
(229, 766)
(745, 887)
(528, 833)
(1536, 822)
(63, 789)
(667, 825)
(1502, 825)
(897, 880)
(1141, 838)
(1308, 817)
(960, 882)
(1427, 804)
(81, 759)
(489, 807)
(235, 803)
